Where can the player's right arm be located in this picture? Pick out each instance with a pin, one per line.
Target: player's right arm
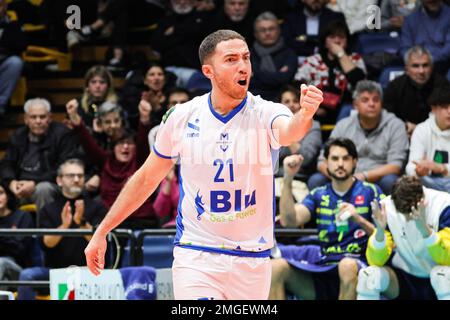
(291, 214)
(380, 244)
(134, 193)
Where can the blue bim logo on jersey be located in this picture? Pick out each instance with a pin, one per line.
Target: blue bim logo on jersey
(199, 205)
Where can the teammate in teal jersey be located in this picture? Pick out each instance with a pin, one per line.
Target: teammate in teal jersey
(342, 212)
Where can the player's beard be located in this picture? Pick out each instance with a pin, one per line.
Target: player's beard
(341, 178)
(233, 89)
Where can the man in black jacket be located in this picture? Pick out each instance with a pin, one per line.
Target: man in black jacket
(302, 26)
(72, 209)
(235, 15)
(12, 43)
(274, 64)
(34, 153)
(179, 34)
(407, 95)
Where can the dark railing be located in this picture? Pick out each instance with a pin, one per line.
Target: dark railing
(135, 242)
(121, 233)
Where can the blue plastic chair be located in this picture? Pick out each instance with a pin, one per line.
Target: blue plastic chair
(157, 251)
(37, 254)
(388, 74)
(378, 42)
(198, 83)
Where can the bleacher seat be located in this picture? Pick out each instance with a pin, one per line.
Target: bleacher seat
(125, 259)
(388, 74)
(378, 42)
(198, 83)
(157, 251)
(37, 254)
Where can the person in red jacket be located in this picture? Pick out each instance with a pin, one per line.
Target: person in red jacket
(129, 153)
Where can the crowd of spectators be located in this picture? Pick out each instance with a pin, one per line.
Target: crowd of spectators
(73, 171)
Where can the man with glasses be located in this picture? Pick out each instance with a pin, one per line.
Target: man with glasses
(274, 64)
(72, 209)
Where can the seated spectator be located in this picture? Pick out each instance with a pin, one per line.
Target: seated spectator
(302, 26)
(430, 144)
(394, 12)
(150, 87)
(34, 153)
(273, 63)
(129, 153)
(413, 226)
(71, 209)
(334, 70)
(178, 37)
(380, 138)
(406, 96)
(98, 88)
(109, 123)
(174, 96)
(166, 202)
(109, 128)
(237, 16)
(433, 17)
(355, 12)
(308, 147)
(343, 215)
(15, 251)
(12, 43)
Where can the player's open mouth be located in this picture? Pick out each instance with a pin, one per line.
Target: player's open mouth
(242, 82)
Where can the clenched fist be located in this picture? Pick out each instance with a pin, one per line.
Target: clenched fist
(72, 112)
(310, 100)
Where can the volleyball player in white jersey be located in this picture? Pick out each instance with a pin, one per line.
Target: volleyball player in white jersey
(225, 142)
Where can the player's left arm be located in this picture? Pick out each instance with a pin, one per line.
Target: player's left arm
(293, 129)
(439, 242)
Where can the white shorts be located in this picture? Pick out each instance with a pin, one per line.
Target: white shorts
(206, 275)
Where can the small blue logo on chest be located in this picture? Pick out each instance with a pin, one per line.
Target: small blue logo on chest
(193, 127)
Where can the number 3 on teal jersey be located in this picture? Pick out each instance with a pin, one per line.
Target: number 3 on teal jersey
(221, 164)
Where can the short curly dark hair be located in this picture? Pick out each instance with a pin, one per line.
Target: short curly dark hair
(406, 193)
(209, 44)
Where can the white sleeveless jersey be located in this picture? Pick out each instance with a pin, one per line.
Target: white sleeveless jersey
(227, 202)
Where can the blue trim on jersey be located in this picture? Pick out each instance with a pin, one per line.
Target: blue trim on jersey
(275, 155)
(274, 208)
(271, 122)
(161, 155)
(229, 116)
(179, 220)
(248, 254)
